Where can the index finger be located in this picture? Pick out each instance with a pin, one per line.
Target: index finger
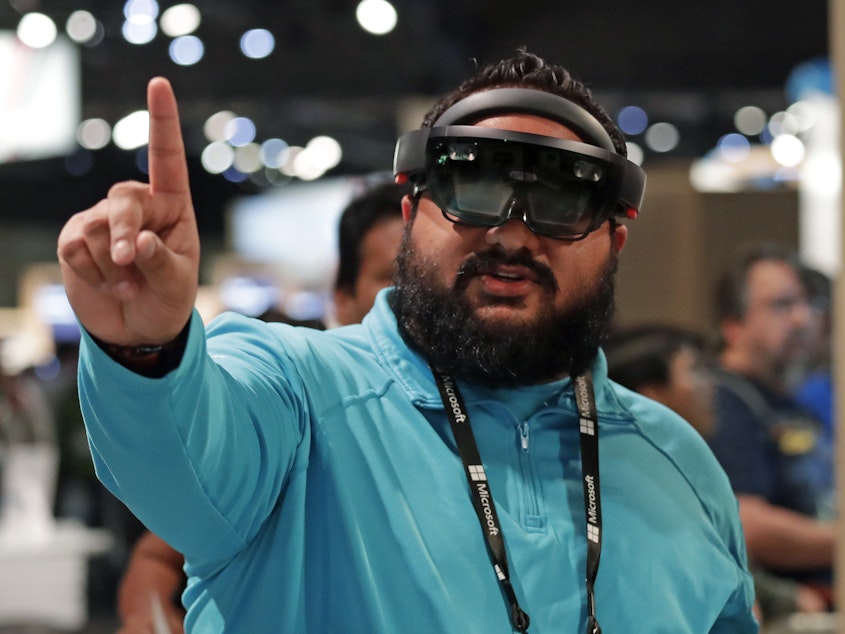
(168, 165)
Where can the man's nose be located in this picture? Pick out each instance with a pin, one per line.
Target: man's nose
(512, 235)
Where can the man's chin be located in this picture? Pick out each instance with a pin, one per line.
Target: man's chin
(504, 314)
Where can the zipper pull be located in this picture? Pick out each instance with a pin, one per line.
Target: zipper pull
(523, 436)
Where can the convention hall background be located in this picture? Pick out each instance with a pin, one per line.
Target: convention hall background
(729, 107)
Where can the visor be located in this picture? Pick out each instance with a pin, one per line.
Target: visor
(484, 176)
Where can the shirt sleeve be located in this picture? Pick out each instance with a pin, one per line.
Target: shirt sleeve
(201, 455)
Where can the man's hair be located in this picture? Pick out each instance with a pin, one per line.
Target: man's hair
(641, 355)
(362, 214)
(527, 70)
(732, 286)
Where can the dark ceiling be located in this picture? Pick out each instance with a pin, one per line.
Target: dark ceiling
(691, 62)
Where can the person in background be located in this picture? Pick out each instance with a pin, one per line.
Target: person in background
(369, 235)
(438, 463)
(668, 364)
(766, 442)
(673, 366)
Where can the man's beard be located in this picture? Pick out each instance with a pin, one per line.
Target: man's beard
(442, 325)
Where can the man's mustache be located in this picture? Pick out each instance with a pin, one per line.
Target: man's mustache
(487, 263)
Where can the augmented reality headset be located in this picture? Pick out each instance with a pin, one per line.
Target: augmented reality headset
(485, 176)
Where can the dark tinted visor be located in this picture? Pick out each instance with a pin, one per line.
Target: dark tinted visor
(559, 188)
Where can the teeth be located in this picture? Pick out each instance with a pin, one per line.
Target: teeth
(509, 276)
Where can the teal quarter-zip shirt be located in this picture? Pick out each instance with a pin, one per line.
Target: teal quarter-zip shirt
(312, 482)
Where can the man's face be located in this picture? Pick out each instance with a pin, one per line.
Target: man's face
(507, 278)
(377, 266)
(774, 332)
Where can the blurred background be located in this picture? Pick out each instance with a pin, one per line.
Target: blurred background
(286, 106)
(290, 108)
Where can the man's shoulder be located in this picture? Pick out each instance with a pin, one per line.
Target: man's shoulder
(662, 428)
(672, 439)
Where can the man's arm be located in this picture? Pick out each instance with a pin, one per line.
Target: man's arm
(153, 576)
(779, 538)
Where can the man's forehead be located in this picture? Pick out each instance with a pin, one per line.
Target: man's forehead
(529, 123)
(770, 280)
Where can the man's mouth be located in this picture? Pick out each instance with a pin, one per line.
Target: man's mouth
(510, 274)
(505, 271)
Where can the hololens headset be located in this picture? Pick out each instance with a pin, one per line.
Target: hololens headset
(485, 176)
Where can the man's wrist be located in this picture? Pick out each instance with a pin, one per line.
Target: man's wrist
(150, 360)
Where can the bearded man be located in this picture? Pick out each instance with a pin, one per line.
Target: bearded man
(436, 468)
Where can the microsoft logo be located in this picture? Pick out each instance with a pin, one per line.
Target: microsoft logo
(588, 427)
(593, 533)
(476, 472)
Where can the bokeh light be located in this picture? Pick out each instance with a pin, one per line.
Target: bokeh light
(257, 43)
(214, 127)
(140, 30)
(376, 16)
(83, 28)
(93, 134)
(273, 152)
(662, 137)
(733, 147)
(750, 120)
(132, 131)
(240, 131)
(217, 157)
(788, 150)
(635, 153)
(186, 50)
(180, 19)
(37, 30)
(632, 120)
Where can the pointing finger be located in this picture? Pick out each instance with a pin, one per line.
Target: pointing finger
(168, 166)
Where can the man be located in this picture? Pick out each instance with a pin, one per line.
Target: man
(672, 366)
(420, 471)
(667, 364)
(369, 234)
(764, 440)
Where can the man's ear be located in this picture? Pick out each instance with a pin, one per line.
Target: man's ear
(343, 306)
(407, 208)
(729, 328)
(619, 237)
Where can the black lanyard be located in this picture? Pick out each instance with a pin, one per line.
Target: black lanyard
(482, 498)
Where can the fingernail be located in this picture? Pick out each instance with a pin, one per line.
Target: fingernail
(120, 250)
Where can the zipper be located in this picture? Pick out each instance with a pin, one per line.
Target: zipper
(532, 518)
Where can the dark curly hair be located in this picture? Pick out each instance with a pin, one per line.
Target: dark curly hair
(529, 70)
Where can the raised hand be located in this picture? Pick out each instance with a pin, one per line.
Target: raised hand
(130, 263)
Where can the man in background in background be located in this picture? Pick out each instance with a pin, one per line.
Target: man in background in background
(667, 364)
(671, 365)
(369, 234)
(769, 445)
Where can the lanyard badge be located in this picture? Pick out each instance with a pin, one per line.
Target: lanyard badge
(485, 509)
